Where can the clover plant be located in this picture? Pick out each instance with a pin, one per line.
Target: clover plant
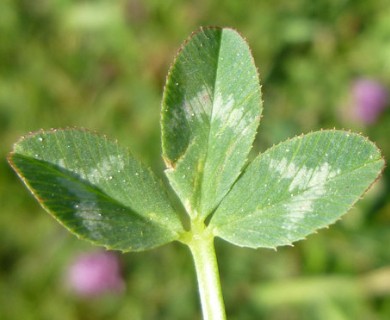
(210, 114)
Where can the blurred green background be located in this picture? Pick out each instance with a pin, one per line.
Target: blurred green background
(102, 65)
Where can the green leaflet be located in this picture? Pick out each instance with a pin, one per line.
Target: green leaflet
(297, 187)
(210, 113)
(96, 189)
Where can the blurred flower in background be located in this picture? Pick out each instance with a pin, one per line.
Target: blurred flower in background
(95, 273)
(369, 99)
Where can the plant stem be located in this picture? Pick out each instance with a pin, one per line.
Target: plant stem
(203, 253)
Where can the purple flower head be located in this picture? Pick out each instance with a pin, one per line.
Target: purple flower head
(369, 99)
(95, 273)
